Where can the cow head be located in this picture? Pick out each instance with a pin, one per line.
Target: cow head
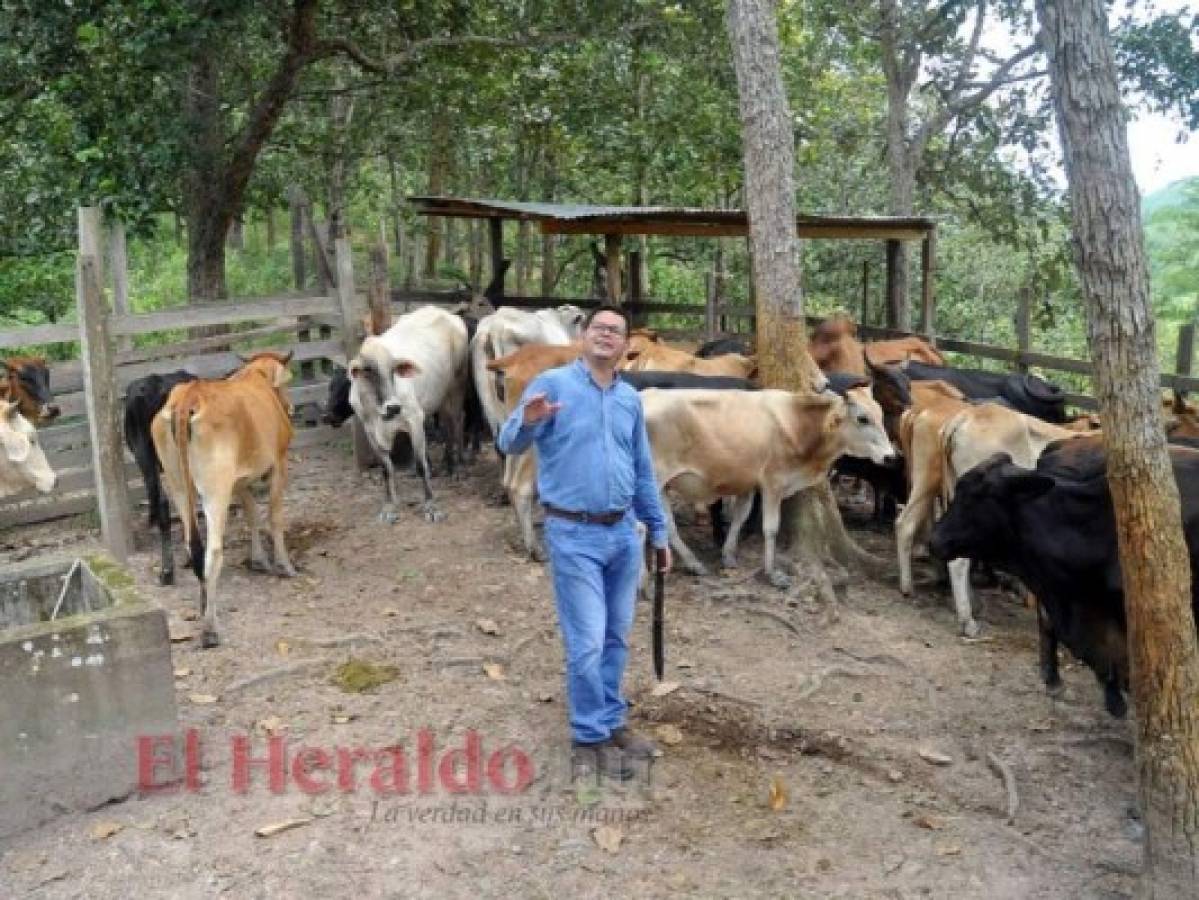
(338, 408)
(26, 381)
(983, 508)
(572, 319)
(862, 429)
(381, 386)
(24, 460)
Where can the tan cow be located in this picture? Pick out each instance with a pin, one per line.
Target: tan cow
(646, 354)
(520, 471)
(942, 437)
(22, 461)
(215, 438)
(711, 444)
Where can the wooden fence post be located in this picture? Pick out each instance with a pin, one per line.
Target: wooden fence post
(1186, 348)
(635, 289)
(892, 291)
(118, 262)
(496, 232)
(296, 200)
(351, 334)
(1023, 336)
(928, 249)
(710, 307)
(612, 254)
(100, 392)
(865, 320)
(378, 296)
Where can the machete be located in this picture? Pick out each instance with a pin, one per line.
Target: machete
(659, 591)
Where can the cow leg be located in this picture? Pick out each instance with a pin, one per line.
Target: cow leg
(388, 513)
(216, 509)
(959, 580)
(770, 530)
(687, 557)
(742, 507)
(523, 495)
(420, 451)
(257, 561)
(451, 414)
(161, 511)
(283, 564)
(1047, 651)
(1113, 697)
(914, 515)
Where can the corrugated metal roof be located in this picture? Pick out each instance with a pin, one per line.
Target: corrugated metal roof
(591, 219)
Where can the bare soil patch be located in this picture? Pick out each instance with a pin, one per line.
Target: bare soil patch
(802, 756)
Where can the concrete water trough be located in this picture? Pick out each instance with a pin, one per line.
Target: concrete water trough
(85, 669)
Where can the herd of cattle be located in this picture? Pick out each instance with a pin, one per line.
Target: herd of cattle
(1017, 485)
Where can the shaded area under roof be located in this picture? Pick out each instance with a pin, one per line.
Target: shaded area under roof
(570, 218)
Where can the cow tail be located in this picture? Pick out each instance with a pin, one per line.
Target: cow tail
(181, 422)
(948, 430)
(485, 381)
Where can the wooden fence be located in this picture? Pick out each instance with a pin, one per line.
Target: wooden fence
(86, 447)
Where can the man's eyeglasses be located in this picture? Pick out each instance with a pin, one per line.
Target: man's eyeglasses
(614, 330)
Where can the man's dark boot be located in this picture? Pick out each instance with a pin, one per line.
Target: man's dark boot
(633, 745)
(605, 758)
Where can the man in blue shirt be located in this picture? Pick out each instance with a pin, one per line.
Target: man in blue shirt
(595, 477)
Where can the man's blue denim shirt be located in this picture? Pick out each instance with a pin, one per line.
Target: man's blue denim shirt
(593, 454)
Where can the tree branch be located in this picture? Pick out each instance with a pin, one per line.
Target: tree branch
(954, 108)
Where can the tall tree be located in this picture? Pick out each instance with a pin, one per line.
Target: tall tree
(812, 519)
(1110, 256)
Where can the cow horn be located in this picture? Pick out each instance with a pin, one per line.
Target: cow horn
(1180, 402)
(287, 356)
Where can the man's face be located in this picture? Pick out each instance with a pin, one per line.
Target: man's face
(606, 338)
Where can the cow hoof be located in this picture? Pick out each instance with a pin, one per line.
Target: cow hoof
(286, 571)
(697, 569)
(166, 578)
(389, 516)
(779, 580)
(258, 565)
(537, 554)
(728, 562)
(971, 629)
(210, 639)
(432, 513)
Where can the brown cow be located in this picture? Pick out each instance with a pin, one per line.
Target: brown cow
(520, 471)
(216, 437)
(942, 437)
(835, 348)
(645, 355)
(25, 380)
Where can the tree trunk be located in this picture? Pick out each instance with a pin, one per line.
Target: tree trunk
(270, 229)
(207, 215)
(811, 518)
(900, 73)
(438, 152)
(297, 201)
(640, 192)
(397, 204)
(341, 112)
(237, 234)
(1110, 256)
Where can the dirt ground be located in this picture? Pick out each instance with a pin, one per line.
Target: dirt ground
(802, 757)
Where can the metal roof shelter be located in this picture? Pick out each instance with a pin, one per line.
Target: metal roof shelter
(614, 221)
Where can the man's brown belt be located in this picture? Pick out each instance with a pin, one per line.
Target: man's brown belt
(605, 518)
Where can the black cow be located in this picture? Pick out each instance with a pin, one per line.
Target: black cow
(1054, 529)
(143, 399)
(676, 380)
(722, 347)
(1023, 393)
(888, 483)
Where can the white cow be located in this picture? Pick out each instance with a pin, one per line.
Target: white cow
(506, 331)
(414, 369)
(23, 462)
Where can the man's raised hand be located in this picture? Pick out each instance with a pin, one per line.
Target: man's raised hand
(538, 407)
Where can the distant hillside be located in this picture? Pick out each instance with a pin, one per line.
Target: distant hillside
(1170, 195)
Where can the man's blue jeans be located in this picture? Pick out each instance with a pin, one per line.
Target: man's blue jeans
(595, 569)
